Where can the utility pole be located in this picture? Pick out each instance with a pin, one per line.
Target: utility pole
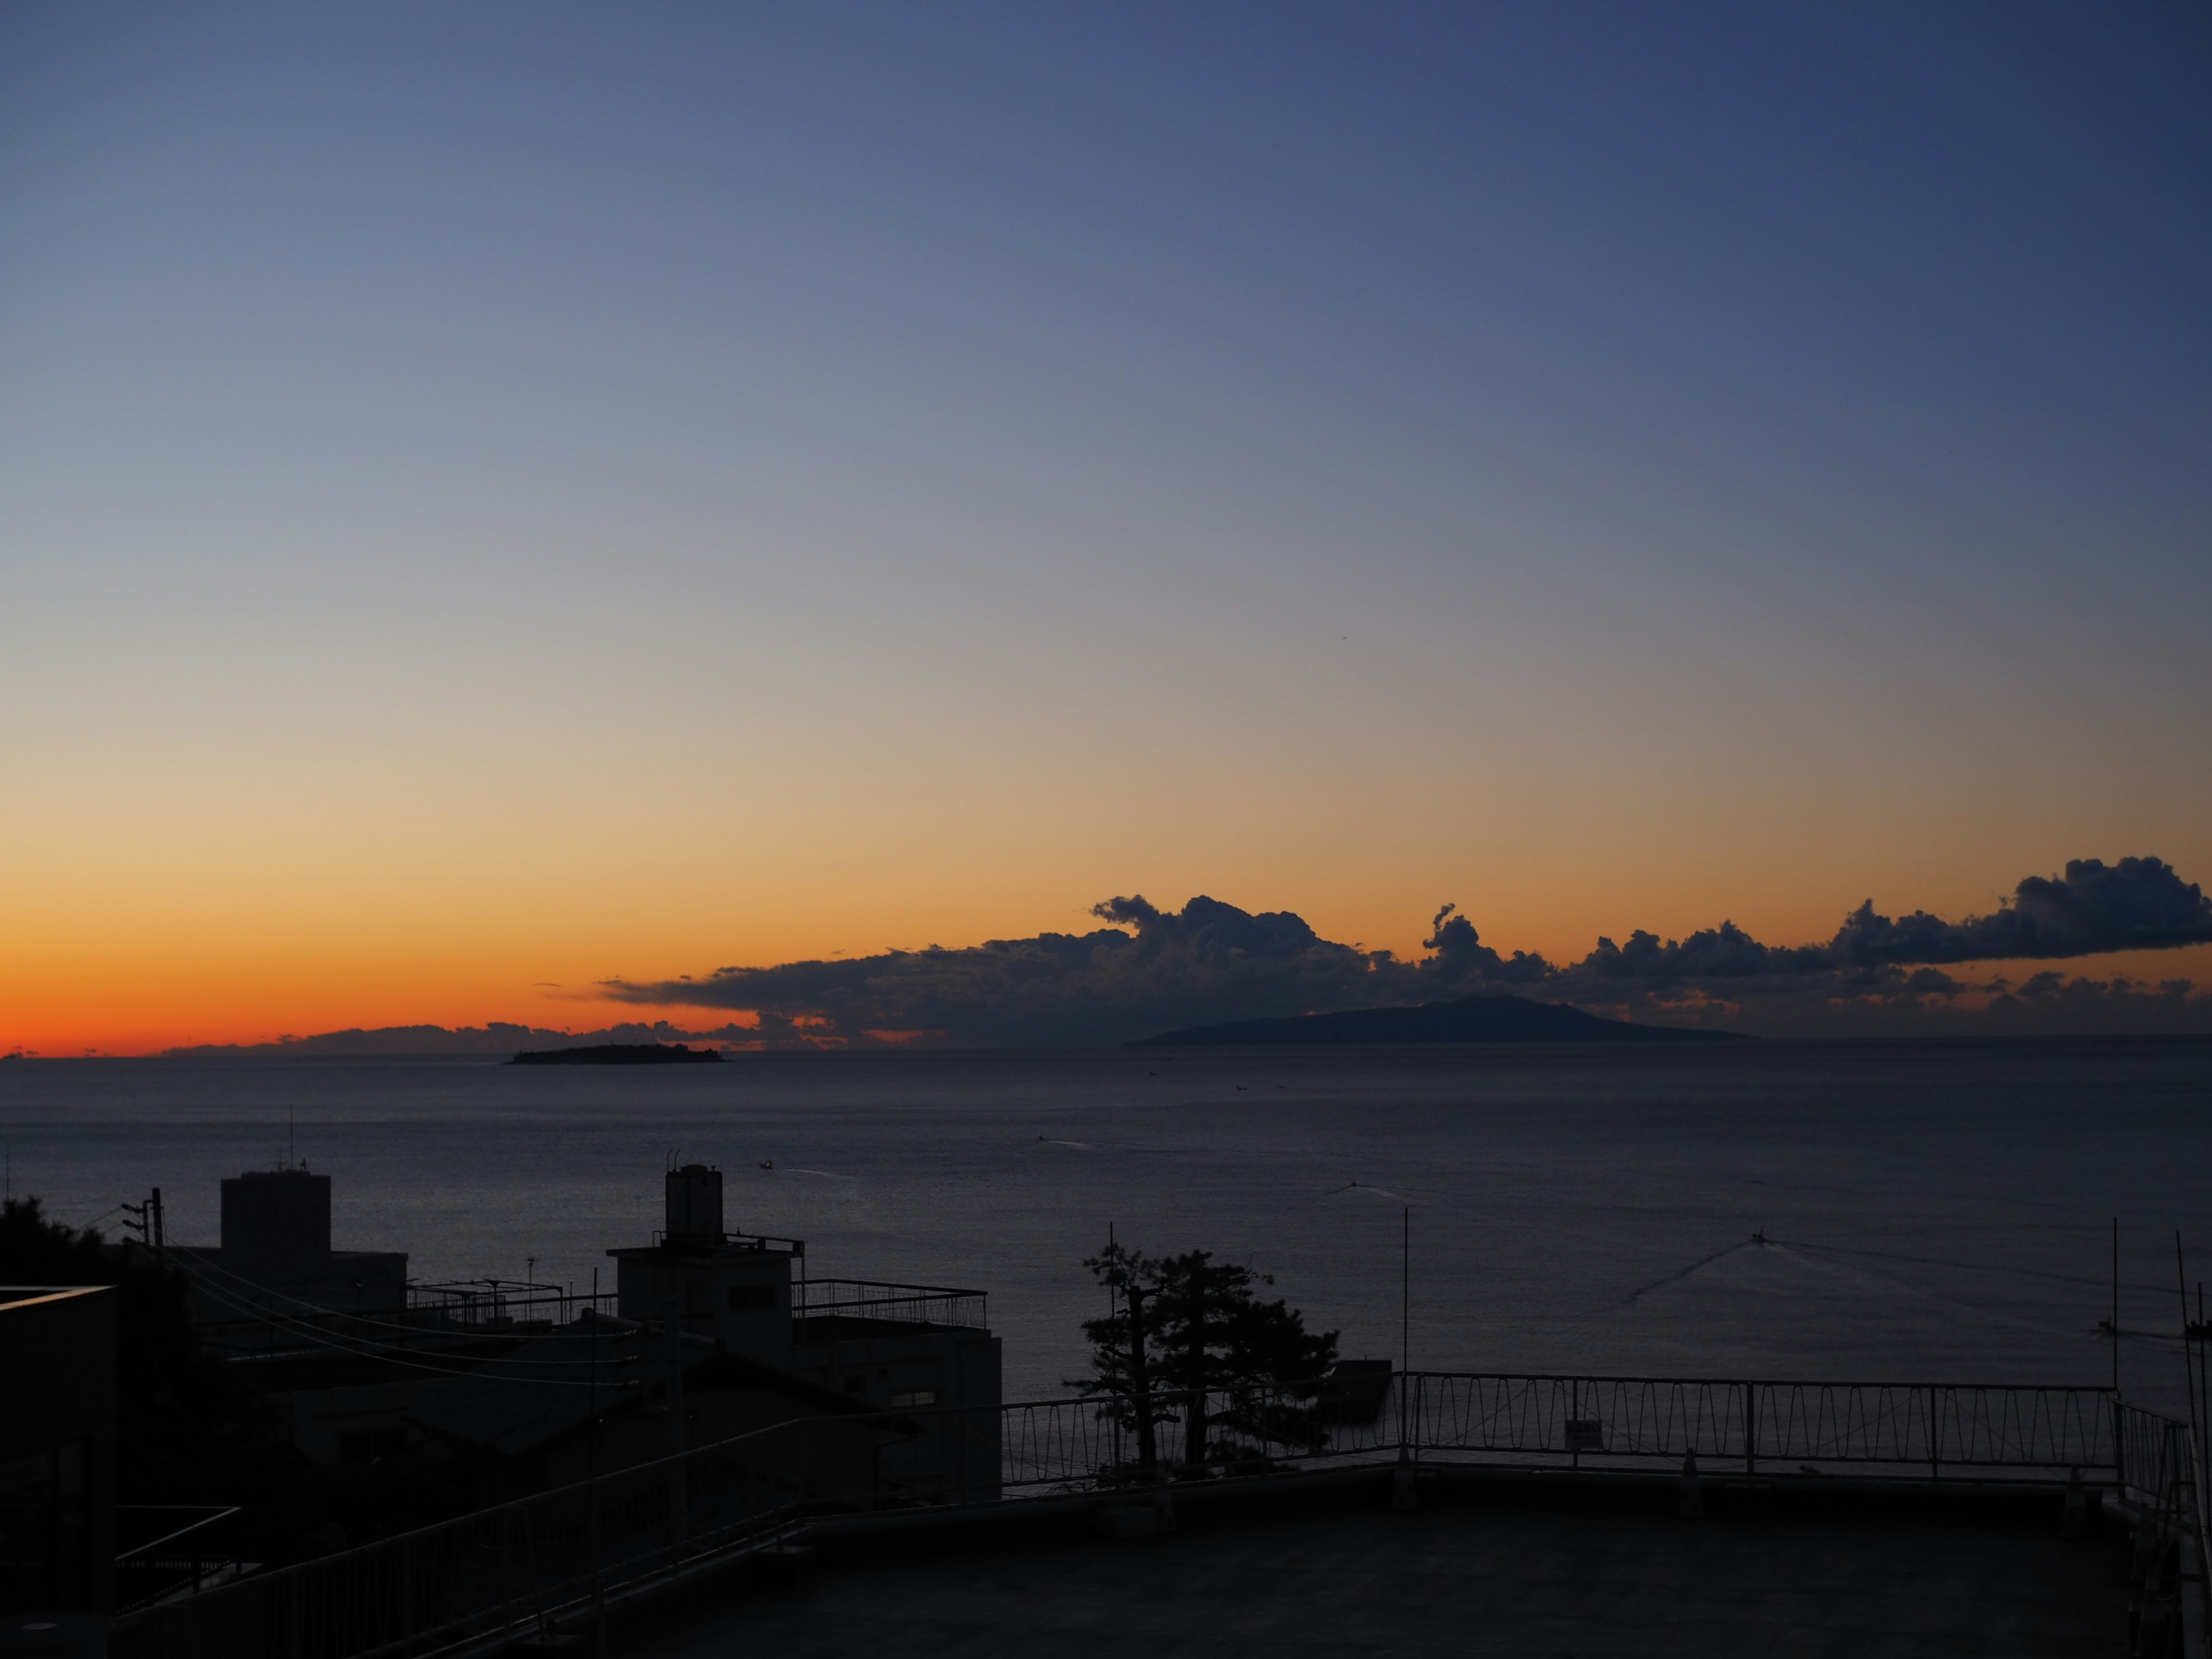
(1403, 1494)
(2192, 1355)
(148, 1226)
(1405, 1319)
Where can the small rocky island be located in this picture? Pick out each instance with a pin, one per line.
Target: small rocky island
(620, 1054)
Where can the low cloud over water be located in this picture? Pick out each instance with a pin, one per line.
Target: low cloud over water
(1148, 970)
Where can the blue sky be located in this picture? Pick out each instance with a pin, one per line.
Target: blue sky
(933, 467)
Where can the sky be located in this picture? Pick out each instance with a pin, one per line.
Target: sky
(504, 506)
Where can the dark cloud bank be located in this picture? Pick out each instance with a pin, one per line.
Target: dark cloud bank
(1151, 970)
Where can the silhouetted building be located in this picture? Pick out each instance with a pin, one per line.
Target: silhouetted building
(538, 1429)
(276, 1253)
(57, 1462)
(920, 1349)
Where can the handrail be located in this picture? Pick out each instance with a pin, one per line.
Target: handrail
(2157, 1488)
(209, 1515)
(1737, 1382)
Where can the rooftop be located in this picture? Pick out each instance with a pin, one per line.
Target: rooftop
(1531, 1565)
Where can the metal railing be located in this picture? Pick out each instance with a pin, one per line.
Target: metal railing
(176, 1549)
(868, 1298)
(554, 1558)
(500, 1303)
(1917, 1431)
(764, 1243)
(1921, 1428)
(2157, 1484)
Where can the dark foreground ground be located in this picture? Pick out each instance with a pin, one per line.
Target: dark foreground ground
(1486, 1568)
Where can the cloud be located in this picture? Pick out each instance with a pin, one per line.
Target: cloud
(1150, 969)
(494, 1039)
(2136, 904)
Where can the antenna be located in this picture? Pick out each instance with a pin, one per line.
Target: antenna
(1405, 1293)
(2188, 1362)
(1405, 1347)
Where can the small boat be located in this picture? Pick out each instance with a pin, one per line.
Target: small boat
(768, 1163)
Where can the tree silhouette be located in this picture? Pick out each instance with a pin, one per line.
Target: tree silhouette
(1121, 1349)
(1189, 1333)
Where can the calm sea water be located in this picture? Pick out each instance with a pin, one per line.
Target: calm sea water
(1930, 1211)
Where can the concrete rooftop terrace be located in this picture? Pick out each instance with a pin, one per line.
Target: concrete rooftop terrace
(1488, 1565)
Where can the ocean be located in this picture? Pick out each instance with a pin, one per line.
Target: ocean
(1918, 1212)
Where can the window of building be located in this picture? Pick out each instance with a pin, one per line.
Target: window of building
(751, 1299)
(919, 1397)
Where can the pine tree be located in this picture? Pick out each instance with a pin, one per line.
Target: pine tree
(1188, 1331)
(1123, 1350)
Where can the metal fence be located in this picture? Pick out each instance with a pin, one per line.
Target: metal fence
(555, 1557)
(2157, 1481)
(172, 1549)
(868, 1298)
(497, 1303)
(1918, 1428)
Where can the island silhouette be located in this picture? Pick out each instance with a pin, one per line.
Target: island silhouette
(619, 1053)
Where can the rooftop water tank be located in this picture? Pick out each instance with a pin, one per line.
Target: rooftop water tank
(695, 1205)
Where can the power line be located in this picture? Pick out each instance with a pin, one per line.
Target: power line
(196, 1263)
(393, 1355)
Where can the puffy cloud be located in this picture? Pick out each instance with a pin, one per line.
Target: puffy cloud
(1457, 955)
(1150, 969)
(1209, 961)
(2133, 905)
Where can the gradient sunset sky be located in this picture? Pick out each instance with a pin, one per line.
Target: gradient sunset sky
(495, 499)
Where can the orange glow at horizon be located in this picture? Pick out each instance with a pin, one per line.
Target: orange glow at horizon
(123, 996)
